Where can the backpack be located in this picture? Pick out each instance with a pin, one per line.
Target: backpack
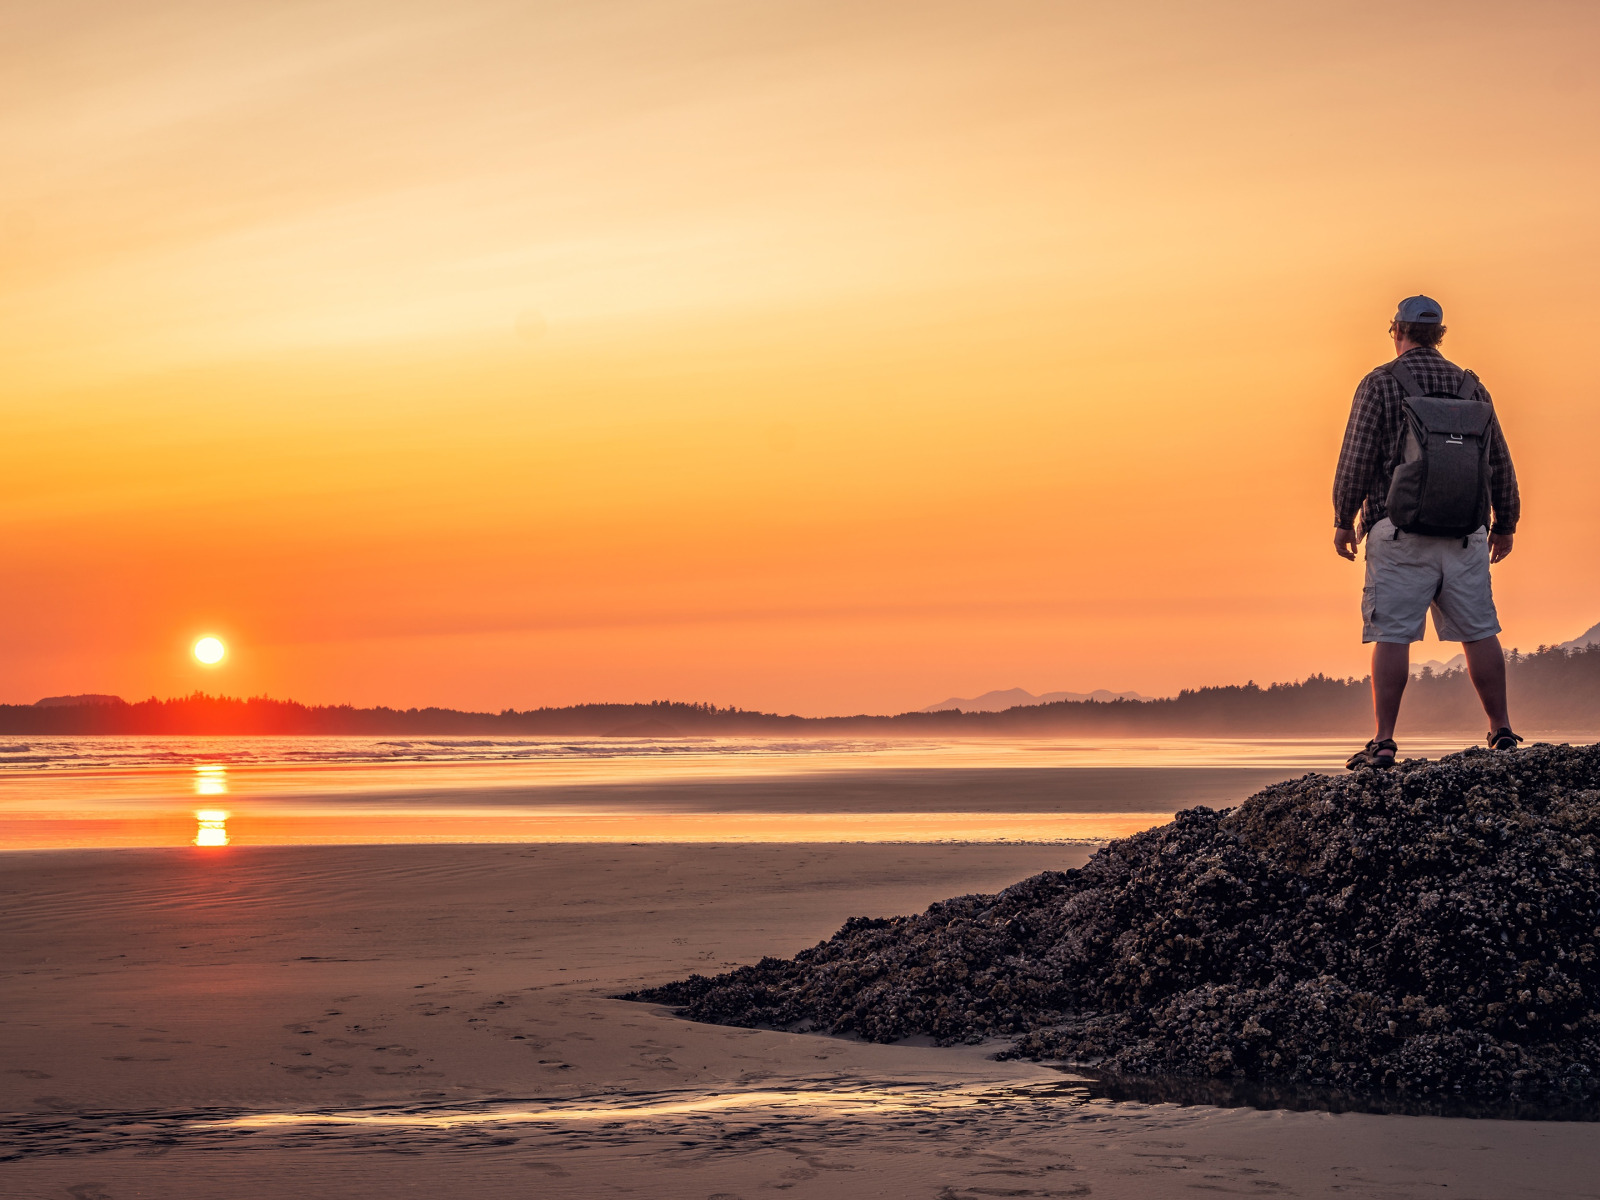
(1440, 486)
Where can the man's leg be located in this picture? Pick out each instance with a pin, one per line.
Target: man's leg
(1391, 667)
(1486, 665)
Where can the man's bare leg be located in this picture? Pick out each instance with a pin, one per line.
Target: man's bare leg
(1486, 665)
(1391, 667)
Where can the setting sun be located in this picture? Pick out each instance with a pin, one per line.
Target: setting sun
(210, 650)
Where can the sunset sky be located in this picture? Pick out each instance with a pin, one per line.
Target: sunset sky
(815, 357)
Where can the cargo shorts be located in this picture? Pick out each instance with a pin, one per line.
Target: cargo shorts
(1407, 574)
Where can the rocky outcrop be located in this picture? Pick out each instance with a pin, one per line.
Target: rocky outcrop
(1428, 929)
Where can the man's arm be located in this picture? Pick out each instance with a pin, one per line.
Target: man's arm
(1358, 459)
(1503, 494)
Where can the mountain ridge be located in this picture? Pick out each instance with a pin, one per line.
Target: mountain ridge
(999, 701)
(1589, 637)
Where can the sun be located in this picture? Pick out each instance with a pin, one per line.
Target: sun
(210, 650)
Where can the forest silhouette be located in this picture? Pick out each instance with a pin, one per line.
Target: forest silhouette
(1551, 689)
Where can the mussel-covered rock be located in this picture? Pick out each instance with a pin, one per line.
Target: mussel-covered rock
(1429, 928)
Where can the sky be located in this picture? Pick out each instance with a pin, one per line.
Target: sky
(810, 357)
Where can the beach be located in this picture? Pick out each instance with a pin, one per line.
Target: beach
(176, 1018)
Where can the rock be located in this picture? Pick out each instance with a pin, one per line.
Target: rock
(1428, 929)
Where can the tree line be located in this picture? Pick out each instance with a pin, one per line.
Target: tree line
(1551, 690)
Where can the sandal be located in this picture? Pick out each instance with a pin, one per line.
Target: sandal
(1376, 754)
(1503, 739)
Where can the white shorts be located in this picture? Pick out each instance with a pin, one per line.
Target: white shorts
(1408, 573)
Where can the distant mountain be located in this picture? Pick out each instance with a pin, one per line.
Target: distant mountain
(1459, 662)
(1014, 697)
(1591, 638)
(1439, 668)
(77, 701)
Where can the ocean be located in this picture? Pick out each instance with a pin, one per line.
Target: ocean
(60, 792)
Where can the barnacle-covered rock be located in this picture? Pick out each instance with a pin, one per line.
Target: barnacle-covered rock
(1429, 928)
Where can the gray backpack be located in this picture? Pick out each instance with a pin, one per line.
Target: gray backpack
(1440, 486)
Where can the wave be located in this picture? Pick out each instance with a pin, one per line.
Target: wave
(134, 753)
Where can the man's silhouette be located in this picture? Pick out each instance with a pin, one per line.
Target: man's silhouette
(1409, 572)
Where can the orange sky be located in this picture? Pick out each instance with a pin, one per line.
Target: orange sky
(817, 357)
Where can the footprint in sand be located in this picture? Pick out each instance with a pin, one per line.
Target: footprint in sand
(973, 1193)
(548, 1169)
(312, 1071)
(414, 1071)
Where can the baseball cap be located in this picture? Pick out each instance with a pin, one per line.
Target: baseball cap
(1421, 310)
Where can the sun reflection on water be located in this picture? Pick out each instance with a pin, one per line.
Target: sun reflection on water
(211, 781)
(845, 1099)
(213, 827)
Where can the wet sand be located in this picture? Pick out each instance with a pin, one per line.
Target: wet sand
(401, 803)
(150, 994)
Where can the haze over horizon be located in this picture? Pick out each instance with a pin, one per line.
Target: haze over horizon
(995, 700)
(805, 358)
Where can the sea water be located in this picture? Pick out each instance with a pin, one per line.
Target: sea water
(212, 792)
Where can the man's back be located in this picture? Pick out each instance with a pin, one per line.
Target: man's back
(1372, 439)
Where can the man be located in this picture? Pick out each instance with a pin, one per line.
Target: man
(1418, 408)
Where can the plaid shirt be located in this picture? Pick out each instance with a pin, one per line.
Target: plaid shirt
(1372, 449)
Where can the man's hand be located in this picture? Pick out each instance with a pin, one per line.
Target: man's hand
(1499, 546)
(1345, 541)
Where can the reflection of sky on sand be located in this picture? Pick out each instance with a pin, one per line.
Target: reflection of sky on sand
(57, 792)
(363, 826)
(841, 1099)
(334, 824)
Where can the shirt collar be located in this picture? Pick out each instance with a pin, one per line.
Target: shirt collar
(1423, 351)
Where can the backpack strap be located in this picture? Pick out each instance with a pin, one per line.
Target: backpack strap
(1401, 374)
(1469, 386)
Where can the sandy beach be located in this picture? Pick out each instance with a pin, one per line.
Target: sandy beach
(172, 1015)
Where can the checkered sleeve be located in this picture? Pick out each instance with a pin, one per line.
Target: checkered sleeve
(1503, 492)
(1360, 458)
